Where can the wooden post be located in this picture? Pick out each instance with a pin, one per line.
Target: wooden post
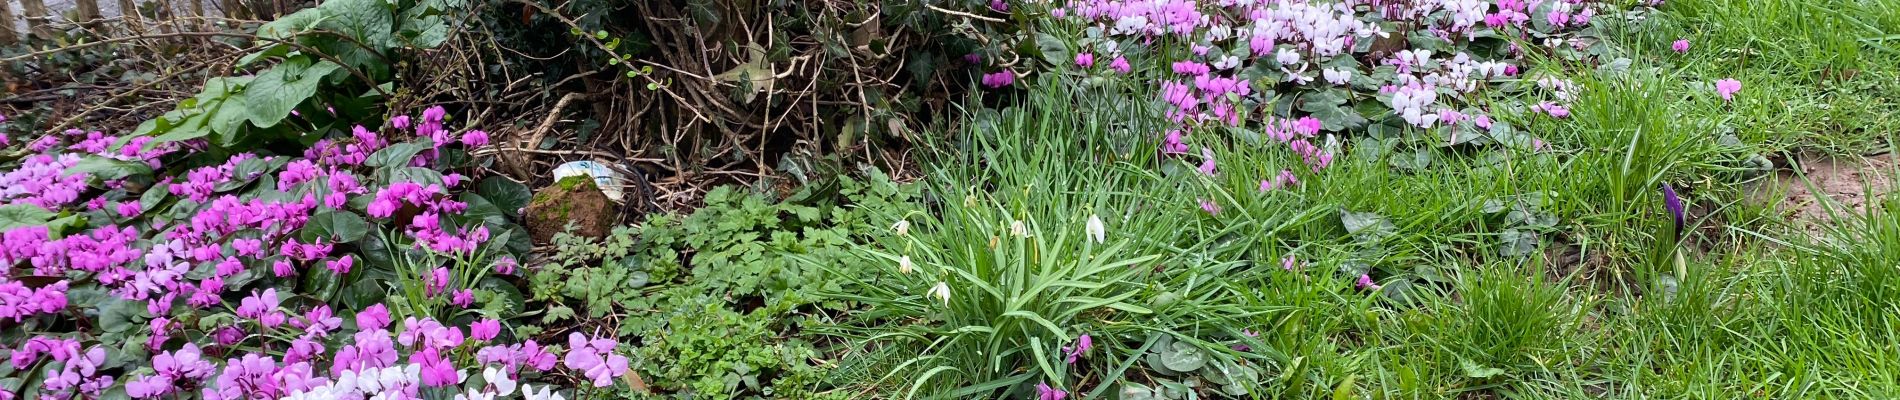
(87, 10)
(130, 11)
(7, 36)
(37, 17)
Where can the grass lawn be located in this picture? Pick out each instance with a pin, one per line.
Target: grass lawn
(1542, 271)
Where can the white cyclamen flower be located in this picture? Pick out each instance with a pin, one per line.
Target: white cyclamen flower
(904, 265)
(498, 378)
(1095, 229)
(547, 393)
(902, 227)
(1018, 229)
(941, 291)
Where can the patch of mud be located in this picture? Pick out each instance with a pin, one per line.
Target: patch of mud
(1844, 182)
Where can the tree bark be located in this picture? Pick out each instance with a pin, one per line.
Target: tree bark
(7, 36)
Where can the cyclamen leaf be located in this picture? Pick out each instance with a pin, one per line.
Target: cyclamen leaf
(108, 169)
(23, 215)
(338, 226)
(506, 194)
(396, 154)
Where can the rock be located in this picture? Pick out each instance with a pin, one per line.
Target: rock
(573, 200)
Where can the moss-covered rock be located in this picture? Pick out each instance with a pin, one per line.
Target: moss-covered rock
(573, 200)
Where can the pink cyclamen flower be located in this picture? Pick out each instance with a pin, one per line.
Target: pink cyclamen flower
(484, 330)
(1210, 207)
(1727, 88)
(595, 358)
(1082, 346)
(1365, 282)
(999, 6)
(1555, 111)
(999, 79)
(462, 298)
(1120, 65)
(1045, 392)
(1681, 46)
(1085, 60)
(474, 138)
(438, 281)
(373, 318)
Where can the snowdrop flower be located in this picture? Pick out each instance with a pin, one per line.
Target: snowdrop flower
(1094, 228)
(904, 266)
(546, 393)
(902, 227)
(941, 292)
(1018, 229)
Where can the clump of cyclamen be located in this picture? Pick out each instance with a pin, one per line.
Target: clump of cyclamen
(190, 258)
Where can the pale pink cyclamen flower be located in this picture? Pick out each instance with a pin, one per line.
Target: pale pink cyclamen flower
(1681, 46)
(1727, 88)
(1555, 111)
(1210, 207)
(1207, 162)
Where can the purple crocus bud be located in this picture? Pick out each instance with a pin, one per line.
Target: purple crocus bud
(1674, 203)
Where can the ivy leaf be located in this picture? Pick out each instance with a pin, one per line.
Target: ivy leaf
(506, 194)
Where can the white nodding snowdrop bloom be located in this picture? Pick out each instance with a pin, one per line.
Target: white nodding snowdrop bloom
(941, 292)
(904, 265)
(902, 227)
(1095, 229)
(1018, 229)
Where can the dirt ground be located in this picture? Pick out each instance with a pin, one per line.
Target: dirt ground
(1845, 182)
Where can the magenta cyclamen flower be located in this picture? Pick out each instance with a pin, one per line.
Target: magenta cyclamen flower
(438, 281)
(1681, 46)
(1365, 282)
(1085, 59)
(1210, 207)
(484, 330)
(999, 79)
(474, 138)
(1045, 392)
(372, 318)
(1082, 346)
(1120, 65)
(1727, 88)
(999, 6)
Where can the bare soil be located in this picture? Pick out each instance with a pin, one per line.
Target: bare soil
(1833, 187)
